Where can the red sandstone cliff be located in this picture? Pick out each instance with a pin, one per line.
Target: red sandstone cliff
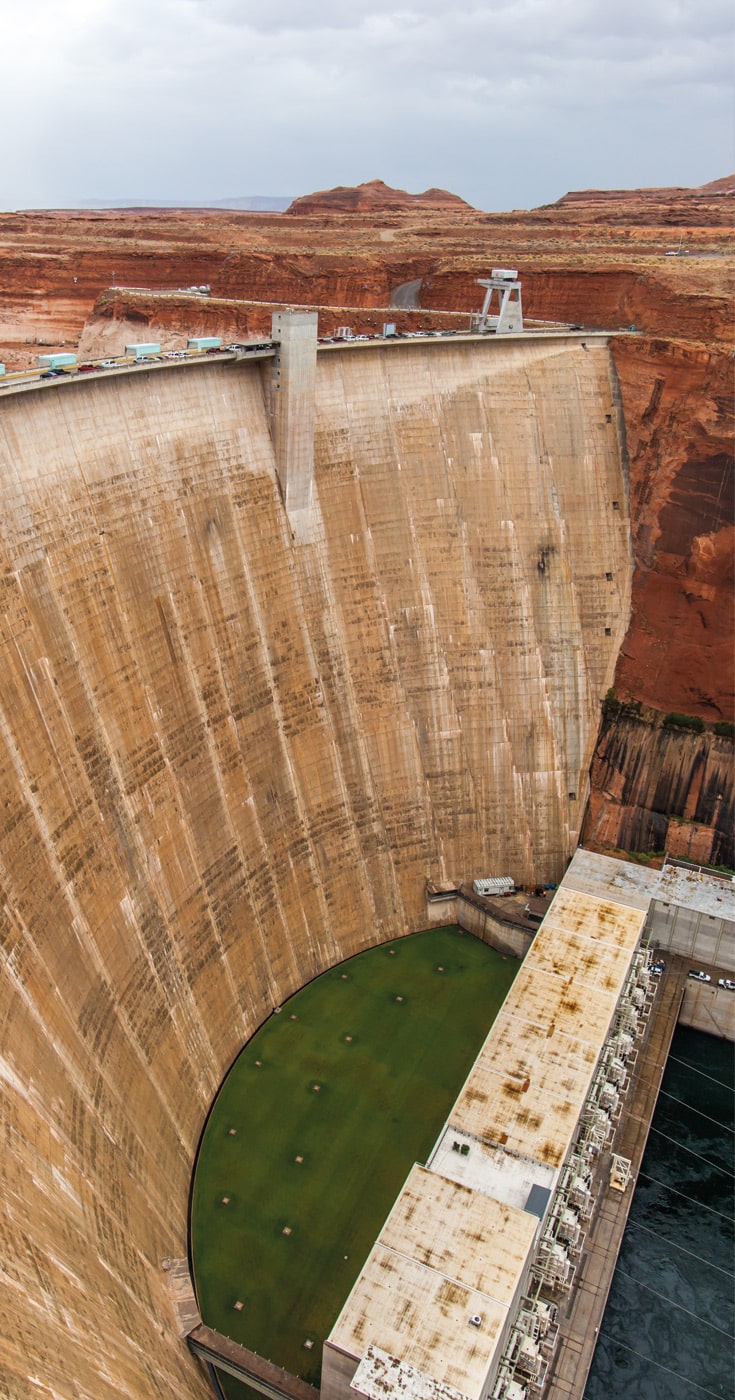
(602, 264)
(656, 788)
(677, 400)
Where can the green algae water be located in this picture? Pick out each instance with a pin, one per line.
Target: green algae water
(316, 1127)
(669, 1327)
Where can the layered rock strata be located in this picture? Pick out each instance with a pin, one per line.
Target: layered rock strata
(656, 788)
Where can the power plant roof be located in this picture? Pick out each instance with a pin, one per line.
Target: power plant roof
(434, 1271)
(528, 1084)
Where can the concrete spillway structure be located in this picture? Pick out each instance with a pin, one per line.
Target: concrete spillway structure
(230, 757)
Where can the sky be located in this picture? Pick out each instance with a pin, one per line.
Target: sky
(508, 103)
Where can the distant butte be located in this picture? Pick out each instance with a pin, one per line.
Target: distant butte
(374, 197)
(725, 186)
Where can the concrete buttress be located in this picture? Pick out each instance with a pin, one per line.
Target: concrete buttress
(294, 390)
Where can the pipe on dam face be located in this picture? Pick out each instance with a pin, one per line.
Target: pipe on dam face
(230, 759)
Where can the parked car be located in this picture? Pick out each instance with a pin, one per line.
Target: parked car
(700, 976)
(657, 968)
(726, 983)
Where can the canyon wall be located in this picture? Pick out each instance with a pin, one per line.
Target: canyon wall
(656, 788)
(229, 760)
(678, 404)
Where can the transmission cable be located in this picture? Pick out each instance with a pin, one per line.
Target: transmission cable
(664, 1094)
(692, 1153)
(635, 1225)
(699, 1204)
(694, 1070)
(671, 1304)
(649, 1359)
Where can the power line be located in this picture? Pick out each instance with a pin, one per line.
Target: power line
(679, 1307)
(661, 1367)
(658, 1236)
(700, 1204)
(650, 1081)
(694, 1070)
(723, 1126)
(692, 1153)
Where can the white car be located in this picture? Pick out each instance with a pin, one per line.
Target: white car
(700, 976)
(726, 983)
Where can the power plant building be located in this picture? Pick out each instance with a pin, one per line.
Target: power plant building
(489, 1218)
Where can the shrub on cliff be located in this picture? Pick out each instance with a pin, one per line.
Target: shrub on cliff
(673, 720)
(611, 707)
(724, 729)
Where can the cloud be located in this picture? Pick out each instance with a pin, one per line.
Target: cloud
(234, 91)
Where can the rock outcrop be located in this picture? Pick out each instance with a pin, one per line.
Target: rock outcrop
(375, 197)
(659, 193)
(658, 788)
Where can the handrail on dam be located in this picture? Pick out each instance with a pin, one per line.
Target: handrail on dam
(26, 380)
(247, 1366)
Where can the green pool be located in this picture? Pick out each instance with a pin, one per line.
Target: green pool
(316, 1127)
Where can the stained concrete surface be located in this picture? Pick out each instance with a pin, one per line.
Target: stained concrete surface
(228, 759)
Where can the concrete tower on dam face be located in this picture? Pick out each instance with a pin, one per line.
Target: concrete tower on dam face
(231, 758)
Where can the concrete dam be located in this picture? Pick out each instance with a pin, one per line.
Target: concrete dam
(233, 753)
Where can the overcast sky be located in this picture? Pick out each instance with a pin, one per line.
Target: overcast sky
(508, 103)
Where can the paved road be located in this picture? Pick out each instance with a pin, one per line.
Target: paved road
(406, 296)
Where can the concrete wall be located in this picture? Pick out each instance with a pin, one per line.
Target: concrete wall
(694, 933)
(228, 759)
(338, 1370)
(709, 1008)
(505, 937)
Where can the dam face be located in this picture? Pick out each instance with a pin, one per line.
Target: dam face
(231, 758)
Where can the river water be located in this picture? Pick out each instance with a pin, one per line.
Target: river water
(668, 1328)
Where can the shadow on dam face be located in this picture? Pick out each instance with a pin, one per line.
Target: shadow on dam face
(230, 759)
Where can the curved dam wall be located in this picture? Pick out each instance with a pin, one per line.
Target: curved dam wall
(228, 759)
